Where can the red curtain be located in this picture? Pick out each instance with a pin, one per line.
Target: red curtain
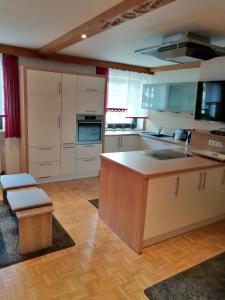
(105, 72)
(11, 95)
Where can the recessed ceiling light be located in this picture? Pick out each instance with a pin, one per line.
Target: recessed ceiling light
(84, 36)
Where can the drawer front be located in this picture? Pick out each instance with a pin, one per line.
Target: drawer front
(87, 165)
(90, 103)
(68, 160)
(45, 169)
(87, 151)
(91, 84)
(43, 154)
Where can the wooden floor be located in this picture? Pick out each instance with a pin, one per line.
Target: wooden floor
(101, 266)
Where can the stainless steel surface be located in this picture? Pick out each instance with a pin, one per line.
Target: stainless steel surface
(165, 154)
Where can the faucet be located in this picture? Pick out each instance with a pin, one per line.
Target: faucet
(160, 130)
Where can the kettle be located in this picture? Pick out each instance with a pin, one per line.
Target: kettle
(181, 134)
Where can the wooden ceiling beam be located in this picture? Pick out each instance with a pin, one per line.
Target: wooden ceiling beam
(174, 67)
(20, 51)
(122, 12)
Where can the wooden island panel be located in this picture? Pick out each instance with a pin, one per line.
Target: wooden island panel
(122, 202)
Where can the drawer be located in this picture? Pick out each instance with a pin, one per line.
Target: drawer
(87, 165)
(45, 169)
(87, 151)
(43, 154)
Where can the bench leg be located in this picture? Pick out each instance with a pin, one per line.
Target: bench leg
(35, 232)
(4, 192)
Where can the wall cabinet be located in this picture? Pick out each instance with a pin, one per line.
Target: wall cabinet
(176, 97)
(120, 143)
(155, 96)
(177, 201)
(90, 95)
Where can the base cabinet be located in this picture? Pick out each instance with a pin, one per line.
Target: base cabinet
(176, 202)
(45, 170)
(68, 160)
(120, 143)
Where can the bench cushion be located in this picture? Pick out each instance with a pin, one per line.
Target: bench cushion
(26, 199)
(14, 181)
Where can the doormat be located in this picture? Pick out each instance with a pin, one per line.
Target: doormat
(205, 281)
(94, 202)
(9, 236)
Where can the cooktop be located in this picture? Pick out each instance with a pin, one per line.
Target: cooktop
(164, 154)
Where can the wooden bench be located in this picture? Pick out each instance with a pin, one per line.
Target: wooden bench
(33, 209)
(16, 181)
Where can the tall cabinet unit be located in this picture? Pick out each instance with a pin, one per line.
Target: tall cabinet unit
(44, 113)
(68, 131)
(52, 102)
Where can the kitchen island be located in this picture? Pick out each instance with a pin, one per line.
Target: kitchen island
(145, 199)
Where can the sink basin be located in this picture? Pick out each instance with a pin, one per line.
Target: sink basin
(165, 154)
(157, 134)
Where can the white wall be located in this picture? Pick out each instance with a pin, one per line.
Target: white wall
(10, 148)
(209, 70)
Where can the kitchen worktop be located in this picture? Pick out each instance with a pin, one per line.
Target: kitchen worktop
(149, 167)
(145, 134)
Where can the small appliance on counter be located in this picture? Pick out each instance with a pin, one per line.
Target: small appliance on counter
(181, 134)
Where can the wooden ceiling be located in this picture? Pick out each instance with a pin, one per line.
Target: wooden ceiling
(124, 11)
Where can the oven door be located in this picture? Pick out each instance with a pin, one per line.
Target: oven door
(89, 132)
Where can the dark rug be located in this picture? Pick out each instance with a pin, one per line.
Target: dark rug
(94, 202)
(9, 250)
(202, 282)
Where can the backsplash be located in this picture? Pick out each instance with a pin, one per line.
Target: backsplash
(170, 121)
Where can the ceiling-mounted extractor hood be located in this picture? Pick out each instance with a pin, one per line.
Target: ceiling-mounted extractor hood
(183, 48)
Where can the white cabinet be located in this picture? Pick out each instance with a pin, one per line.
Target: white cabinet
(120, 143)
(68, 159)
(87, 160)
(44, 113)
(90, 95)
(43, 83)
(42, 154)
(44, 170)
(69, 86)
(178, 201)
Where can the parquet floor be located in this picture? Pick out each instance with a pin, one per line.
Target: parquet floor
(101, 266)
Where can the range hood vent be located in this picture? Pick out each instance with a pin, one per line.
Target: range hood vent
(183, 48)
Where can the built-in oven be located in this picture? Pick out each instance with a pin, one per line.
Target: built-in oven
(89, 129)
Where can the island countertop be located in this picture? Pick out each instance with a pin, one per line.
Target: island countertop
(149, 167)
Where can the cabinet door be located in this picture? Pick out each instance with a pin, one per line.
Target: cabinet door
(68, 160)
(111, 143)
(43, 83)
(43, 120)
(90, 103)
(45, 169)
(161, 215)
(182, 97)
(91, 84)
(87, 151)
(155, 96)
(69, 82)
(129, 143)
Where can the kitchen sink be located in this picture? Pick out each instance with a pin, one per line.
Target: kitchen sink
(164, 154)
(157, 134)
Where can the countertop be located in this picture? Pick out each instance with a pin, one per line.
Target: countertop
(145, 134)
(150, 167)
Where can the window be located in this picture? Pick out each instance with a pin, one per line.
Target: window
(1, 96)
(125, 96)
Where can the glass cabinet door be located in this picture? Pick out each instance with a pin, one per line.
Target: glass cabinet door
(182, 97)
(155, 96)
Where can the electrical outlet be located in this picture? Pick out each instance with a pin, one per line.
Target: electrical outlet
(215, 144)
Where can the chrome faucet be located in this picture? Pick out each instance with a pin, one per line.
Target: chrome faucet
(160, 130)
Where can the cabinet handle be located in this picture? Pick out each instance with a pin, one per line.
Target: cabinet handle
(59, 121)
(45, 164)
(177, 186)
(68, 147)
(91, 111)
(59, 88)
(91, 90)
(200, 181)
(45, 148)
(89, 146)
(204, 180)
(223, 178)
(43, 177)
(90, 159)
(121, 141)
(118, 141)
(68, 144)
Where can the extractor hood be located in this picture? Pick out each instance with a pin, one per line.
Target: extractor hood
(183, 48)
